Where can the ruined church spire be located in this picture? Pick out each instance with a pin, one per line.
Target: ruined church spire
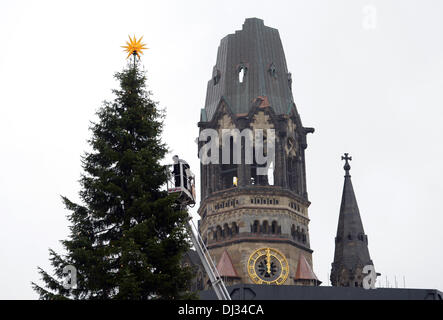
(351, 242)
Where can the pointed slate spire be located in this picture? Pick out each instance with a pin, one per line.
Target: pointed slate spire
(351, 242)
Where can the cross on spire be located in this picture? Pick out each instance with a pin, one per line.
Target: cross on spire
(347, 167)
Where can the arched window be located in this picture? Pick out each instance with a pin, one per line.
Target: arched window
(265, 227)
(219, 233)
(293, 232)
(226, 231)
(242, 73)
(228, 168)
(234, 228)
(256, 227)
(274, 227)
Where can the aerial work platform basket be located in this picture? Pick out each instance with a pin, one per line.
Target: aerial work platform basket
(181, 181)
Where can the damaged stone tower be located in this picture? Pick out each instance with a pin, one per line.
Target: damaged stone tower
(256, 226)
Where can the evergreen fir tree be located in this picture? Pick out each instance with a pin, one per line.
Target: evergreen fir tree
(128, 237)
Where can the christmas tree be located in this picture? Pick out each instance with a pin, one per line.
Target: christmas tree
(128, 236)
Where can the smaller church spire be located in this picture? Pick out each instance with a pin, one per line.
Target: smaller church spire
(351, 243)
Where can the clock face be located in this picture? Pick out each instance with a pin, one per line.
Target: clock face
(268, 266)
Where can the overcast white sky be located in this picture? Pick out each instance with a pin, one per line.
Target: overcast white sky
(375, 93)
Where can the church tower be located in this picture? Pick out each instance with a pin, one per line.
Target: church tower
(351, 243)
(255, 224)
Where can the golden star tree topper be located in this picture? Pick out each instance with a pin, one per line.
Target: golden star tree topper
(134, 46)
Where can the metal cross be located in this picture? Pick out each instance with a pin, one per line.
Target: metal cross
(346, 158)
(347, 167)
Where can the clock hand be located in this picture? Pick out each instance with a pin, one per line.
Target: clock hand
(268, 260)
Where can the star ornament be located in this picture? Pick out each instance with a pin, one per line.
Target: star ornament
(134, 46)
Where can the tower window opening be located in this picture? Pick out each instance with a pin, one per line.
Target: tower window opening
(255, 227)
(226, 231)
(257, 178)
(234, 228)
(270, 174)
(274, 227)
(303, 235)
(241, 74)
(229, 170)
(265, 227)
(219, 233)
(272, 71)
(216, 77)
